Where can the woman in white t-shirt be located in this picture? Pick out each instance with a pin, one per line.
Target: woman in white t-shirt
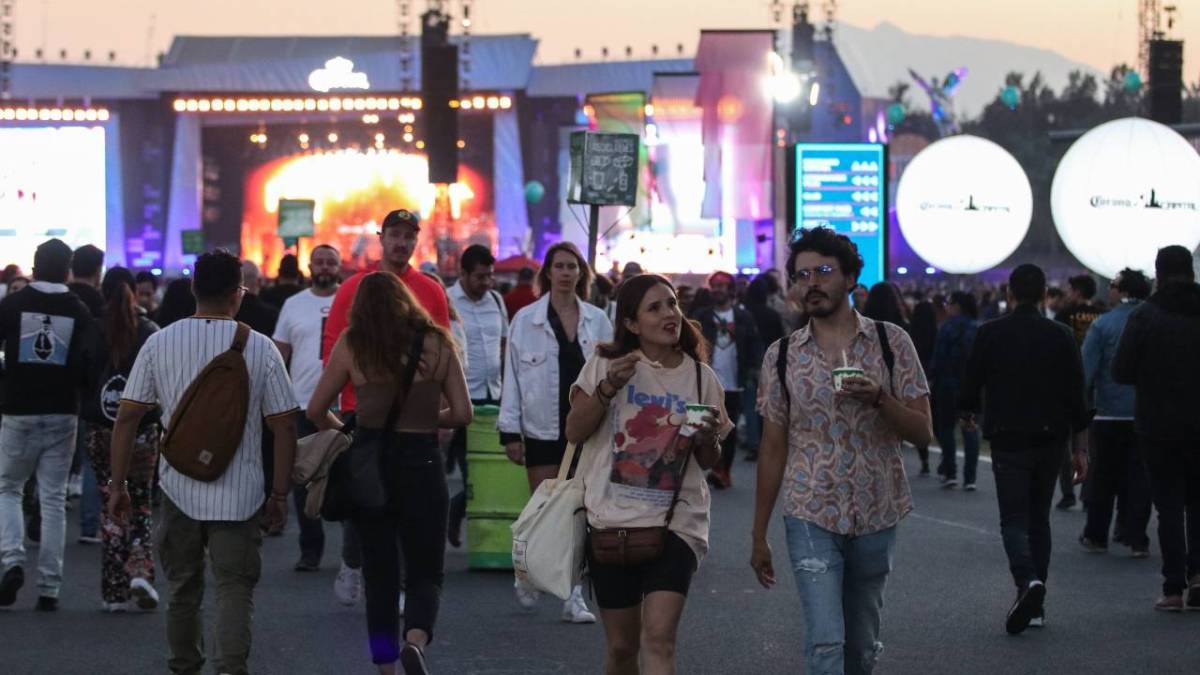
(628, 408)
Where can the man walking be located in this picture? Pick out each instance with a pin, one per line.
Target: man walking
(736, 350)
(1117, 469)
(45, 330)
(221, 519)
(298, 337)
(1158, 355)
(837, 449)
(485, 322)
(1028, 371)
(87, 266)
(1078, 313)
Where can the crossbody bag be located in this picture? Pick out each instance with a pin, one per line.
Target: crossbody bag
(632, 546)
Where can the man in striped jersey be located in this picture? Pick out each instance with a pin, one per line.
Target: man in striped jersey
(224, 518)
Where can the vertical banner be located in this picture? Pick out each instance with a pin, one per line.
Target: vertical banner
(624, 113)
(734, 67)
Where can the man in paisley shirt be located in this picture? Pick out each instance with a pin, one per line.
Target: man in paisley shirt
(836, 454)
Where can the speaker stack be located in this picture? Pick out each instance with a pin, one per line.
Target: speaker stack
(439, 86)
(1166, 81)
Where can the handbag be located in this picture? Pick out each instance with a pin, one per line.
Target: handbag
(548, 536)
(633, 546)
(357, 484)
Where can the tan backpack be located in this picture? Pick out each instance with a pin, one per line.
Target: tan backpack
(206, 427)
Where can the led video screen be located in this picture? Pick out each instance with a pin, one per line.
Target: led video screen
(52, 184)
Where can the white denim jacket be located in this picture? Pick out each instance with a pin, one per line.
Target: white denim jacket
(529, 402)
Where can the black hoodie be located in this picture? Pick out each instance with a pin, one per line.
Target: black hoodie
(1160, 355)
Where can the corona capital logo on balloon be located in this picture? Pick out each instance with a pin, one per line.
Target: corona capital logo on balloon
(964, 204)
(1124, 190)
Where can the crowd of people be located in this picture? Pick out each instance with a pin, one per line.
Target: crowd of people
(819, 381)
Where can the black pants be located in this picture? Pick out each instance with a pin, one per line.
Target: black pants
(1025, 470)
(1117, 472)
(733, 407)
(414, 527)
(1175, 484)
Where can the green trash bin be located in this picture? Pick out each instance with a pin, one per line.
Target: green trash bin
(497, 490)
(482, 435)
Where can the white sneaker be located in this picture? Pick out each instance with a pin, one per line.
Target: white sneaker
(114, 607)
(575, 610)
(527, 596)
(401, 603)
(347, 587)
(143, 593)
(969, 487)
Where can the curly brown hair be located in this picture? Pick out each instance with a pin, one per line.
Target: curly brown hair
(384, 319)
(629, 301)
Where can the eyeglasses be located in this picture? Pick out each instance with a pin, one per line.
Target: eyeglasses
(243, 289)
(806, 274)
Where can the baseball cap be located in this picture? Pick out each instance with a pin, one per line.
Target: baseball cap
(401, 217)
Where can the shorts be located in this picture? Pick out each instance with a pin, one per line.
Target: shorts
(620, 587)
(544, 453)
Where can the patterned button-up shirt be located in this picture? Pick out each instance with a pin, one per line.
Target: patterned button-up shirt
(844, 470)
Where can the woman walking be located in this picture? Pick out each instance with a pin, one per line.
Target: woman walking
(127, 562)
(548, 343)
(644, 457)
(390, 339)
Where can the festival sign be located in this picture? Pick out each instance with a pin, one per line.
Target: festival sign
(964, 204)
(1124, 190)
(604, 168)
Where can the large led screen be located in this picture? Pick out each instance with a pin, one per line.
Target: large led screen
(52, 184)
(353, 190)
(843, 186)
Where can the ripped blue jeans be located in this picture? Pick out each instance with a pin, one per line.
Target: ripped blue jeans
(840, 580)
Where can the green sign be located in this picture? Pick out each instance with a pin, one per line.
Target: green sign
(296, 218)
(193, 242)
(604, 169)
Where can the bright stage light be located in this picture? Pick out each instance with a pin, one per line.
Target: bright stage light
(1124, 190)
(814, 94)
(964, 204)
(333, 137)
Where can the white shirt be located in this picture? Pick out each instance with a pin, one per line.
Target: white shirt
(529, 404)
(485, 322)
(166, 366)
(301, 323)
(725, 356)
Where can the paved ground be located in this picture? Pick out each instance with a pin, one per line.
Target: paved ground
(945, 609)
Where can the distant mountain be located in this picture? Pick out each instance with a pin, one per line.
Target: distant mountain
(880, 57)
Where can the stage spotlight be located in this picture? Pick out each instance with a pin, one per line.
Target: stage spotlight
(505, 103)
(192, 106)
(102, 114)
(333, 137)
(420, 145)
(303, 138)
(179, 106)
(461, 144)
(408, 138)
(478, 102)
(814, 94)
(466, 104)
(493, 102)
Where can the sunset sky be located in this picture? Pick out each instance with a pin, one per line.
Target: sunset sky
(1096, 32)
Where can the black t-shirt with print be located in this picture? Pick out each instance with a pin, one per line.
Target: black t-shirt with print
(46, 343)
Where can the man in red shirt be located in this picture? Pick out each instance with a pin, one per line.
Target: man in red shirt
(399, 238)
(522, 294)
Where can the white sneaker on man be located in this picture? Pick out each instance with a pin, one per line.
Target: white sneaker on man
(527, 596)
(575, 610)
(143, 594)
(347, 587)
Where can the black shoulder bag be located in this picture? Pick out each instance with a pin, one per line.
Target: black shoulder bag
(633, 546)
(357, 484)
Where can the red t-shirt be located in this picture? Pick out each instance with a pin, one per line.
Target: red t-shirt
(518, 298)
(428, 293)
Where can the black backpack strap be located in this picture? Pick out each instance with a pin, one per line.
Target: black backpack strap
(499, 303)
(889, 357)
(781, 369)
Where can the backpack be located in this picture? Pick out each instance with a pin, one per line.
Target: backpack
(885, 345)
(207, 426)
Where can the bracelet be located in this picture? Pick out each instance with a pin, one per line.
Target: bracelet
(120, 483)
(600, 391)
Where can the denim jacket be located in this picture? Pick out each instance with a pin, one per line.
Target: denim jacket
(1099, 349)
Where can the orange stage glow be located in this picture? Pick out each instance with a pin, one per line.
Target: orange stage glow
(353, 191)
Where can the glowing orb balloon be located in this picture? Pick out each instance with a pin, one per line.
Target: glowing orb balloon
(1124, 190)
(964, 204)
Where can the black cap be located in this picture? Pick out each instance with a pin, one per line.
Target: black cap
(401, 217)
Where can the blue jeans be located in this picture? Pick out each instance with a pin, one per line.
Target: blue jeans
(89, 500)
(840, 580)
(45, 443)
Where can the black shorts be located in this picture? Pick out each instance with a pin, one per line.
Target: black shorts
(544, 453)
(620, 587)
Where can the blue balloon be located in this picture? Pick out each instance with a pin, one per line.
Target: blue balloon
(1133, 81)
(1011, 97)
(534, 191)
(895, 113)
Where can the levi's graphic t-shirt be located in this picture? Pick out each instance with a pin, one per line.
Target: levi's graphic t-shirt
(631, 465)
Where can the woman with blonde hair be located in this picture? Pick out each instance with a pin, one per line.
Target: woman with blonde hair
(392, 340)
(548, 343)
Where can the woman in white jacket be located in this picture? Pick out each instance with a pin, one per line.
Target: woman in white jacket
(548, 343)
